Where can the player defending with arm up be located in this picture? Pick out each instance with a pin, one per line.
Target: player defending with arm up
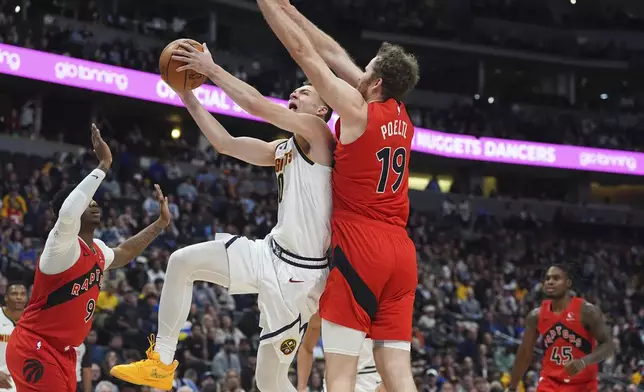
(372, 286)
(575, 338)
(41, 353)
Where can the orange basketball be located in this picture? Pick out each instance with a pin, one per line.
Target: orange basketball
(184, 80)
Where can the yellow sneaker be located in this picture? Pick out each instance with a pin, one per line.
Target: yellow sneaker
(150, 372)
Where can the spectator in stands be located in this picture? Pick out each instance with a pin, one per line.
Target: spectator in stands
(226, 362)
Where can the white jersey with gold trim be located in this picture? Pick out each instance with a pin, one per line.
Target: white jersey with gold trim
(304, 196)
(6, 327)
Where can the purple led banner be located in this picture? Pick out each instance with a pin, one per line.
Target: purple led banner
(109, 79)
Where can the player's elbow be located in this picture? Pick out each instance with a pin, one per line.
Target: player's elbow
(305, 351)
(610, 347)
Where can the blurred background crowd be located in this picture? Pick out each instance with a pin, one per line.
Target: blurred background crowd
(484, 234)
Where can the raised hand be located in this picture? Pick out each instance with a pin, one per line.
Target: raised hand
(165, 216)
(101, 149)
(195, 60)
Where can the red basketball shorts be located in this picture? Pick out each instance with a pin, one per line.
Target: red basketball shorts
(373, 279)
(36, 366)
(547, 384)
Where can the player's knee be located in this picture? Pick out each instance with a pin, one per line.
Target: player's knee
(393, 362)
(179, 264)
(177, 258)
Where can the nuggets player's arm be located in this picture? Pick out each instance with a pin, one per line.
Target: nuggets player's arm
(343, 98)
(526, 349)
(305, 352)
(254, 151)
(310, 127)
(593, 319)
(331, 52)
(62, 248)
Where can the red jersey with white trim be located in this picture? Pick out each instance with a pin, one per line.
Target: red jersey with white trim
(565, 338)
(371, 176)
(62, 305)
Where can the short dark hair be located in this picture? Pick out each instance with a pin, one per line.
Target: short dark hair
(329, 111)
(16, 283)
(60, 197)
(565, 268)
(398, 70)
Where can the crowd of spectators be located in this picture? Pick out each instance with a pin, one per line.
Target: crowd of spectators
(478, 276)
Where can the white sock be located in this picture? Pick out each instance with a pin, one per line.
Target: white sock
(166, 348)
(208, 262)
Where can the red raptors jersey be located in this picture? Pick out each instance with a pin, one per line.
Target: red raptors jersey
(62, 305)
(370, 176)
(564, 339)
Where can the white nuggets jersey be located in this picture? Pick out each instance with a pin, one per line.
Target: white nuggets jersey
(6, 327)
(304, 196)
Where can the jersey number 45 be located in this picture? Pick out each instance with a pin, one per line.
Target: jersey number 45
(561, 355)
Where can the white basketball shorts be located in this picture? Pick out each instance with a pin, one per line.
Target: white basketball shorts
(289, 288)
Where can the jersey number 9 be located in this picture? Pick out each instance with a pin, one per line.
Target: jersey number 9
(90, 308)
(395, 163)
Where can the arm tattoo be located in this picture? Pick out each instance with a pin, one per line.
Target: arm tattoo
(593, 319)
(133, 246)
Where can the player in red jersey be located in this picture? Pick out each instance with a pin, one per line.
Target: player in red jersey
(574, 334)
(40, 353)
(371, 288)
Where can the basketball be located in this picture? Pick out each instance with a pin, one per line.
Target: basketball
(184, 80)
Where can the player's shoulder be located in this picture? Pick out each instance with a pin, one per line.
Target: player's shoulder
(532, 319)
(589, 312)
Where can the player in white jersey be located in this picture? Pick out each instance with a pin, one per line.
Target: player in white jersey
(288, 269)
(367, 380)
(83, 368)
(15, 301)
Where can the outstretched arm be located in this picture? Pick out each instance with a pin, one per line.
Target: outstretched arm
(248, 98)
(133, 246)
(62, 247)
(251, 150)
(305, 352)
(526, 349)
(343, 98)
(330, 50)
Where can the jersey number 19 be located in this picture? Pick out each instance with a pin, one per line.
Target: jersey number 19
(396, 163)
